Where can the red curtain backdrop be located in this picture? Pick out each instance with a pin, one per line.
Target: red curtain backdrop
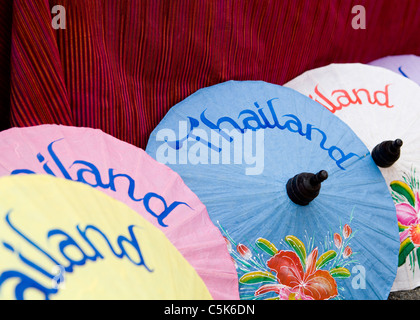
(121, 65)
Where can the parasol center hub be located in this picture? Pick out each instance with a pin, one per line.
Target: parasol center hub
(305, 187)
(316, 179)
(396, 145)
(386, 153)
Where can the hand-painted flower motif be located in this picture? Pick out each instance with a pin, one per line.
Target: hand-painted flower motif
(338, 241)
(407, 202)
(295, 282)
(244, 251)
(228, 244)
(234, 262)
(347, 252)
(346, 231)
(284, 292)
(292, 274)
(414, 232)
(408, 216)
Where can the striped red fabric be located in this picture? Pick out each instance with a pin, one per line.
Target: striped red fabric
(5, 43)
(120, 65)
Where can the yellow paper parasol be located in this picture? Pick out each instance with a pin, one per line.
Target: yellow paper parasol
(65, 240)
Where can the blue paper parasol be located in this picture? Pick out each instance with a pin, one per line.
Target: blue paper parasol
(238, 144)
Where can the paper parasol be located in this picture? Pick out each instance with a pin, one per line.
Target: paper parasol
(128, 174)
(379, 105)
(237, 145)
(406, 65)
(64, 240)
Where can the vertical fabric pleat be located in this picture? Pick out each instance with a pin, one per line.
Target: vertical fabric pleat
(121, 65)
(6, 9)
(38, 91)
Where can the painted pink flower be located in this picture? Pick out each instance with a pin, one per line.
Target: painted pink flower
(338, 241)
(244, 251)
(347, 252)
(408, 216)
(284, 292)
(346, 231)
(296, 283)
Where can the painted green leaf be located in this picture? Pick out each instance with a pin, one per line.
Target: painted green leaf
(418, 255)
(401, 227)
(325, 258)
(266, 246)
(298, 247)
(404, 189)
(405, 248)
(340, 273)
(242, 261)
(257, 277)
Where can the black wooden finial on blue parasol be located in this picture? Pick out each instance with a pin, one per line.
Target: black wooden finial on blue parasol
(304, 187)
(386, 153)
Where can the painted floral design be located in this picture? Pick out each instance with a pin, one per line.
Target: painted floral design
(265, 272)
(296, 282)
(407, 202)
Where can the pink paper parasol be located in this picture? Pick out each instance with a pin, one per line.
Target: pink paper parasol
(128, 174)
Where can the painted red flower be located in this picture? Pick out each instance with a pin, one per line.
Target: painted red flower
(244, 251)
(228, 244)
(347, 252)
(338, 241)
(297, 283)
(346, 231)
(414, 232)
